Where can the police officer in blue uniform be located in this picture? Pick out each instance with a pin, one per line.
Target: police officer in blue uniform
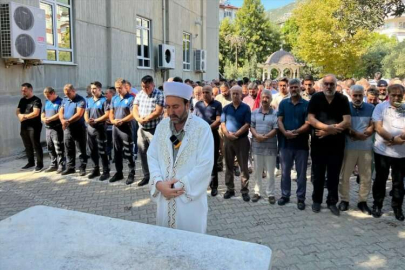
(120, 117)
(54, 131)
(96, 115)
(71, 115)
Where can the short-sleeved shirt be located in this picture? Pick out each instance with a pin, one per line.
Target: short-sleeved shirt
(235, 118)
(97, 108)
(277, 98)
(361, 117)
(393, 121)
(249, 100)
(122, 106)
(27, 106)
(223, 100)
(50, 109)
(328, 114)
(294, 117)
(264, 123)
(70, 107)
(147, 105)
(210, 112)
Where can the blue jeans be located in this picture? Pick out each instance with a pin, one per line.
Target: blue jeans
(287, 158)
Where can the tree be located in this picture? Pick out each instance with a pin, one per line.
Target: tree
(262, 37)
(226, 52)
(322, 41)
(367, 14)
(371, 61)
(393, 64)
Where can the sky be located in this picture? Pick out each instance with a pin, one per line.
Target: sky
(268, 4)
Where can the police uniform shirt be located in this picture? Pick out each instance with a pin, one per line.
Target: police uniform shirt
(70, 108)
(122, 106)
(27, 106)
(51, 108)
(97, 108)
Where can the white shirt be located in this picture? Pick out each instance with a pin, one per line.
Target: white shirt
(192, 167)
(393, 121)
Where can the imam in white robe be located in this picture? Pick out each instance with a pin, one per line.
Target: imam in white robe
(192, 167)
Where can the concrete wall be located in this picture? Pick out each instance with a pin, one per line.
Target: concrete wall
(104, 35)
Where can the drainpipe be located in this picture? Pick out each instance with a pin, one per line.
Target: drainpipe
(164, 72)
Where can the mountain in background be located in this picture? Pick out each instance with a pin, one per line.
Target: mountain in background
(280, 15)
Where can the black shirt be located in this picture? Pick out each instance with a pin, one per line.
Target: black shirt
(328, 114)
(210, 112)
(27, 106)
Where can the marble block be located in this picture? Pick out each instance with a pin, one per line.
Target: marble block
(46, 238)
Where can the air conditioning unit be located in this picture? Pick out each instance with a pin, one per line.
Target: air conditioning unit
(166, 56)
(200, 62)
(22, 32)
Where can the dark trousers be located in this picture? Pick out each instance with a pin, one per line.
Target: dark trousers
(145, 136)
(239, 149)
(287, 159)
(75, 136)
(123, 147)
(56, 148)
(214, 174)
(31, 138)
(109, 147)
(382, 169)
(97, 140)
(330, 162)
(135, 127)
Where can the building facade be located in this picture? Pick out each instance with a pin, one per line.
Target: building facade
(394, 27)
(107, 39)
(227, 11)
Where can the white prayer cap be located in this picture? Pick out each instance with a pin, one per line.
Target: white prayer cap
(177, 89)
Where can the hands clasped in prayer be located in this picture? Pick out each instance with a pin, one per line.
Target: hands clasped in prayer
(167, 189)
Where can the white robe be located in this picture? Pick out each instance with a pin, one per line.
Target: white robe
(192, 167)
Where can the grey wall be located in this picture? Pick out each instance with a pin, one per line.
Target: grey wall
(105, 49)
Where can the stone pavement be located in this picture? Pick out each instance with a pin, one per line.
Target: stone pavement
(299, 239)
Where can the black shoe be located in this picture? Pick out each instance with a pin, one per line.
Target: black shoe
(51, 169)
(256, 198)
(236, 171)
(334, 209)
(130, 179)
(94, 173)
(301, 205)
(214, 192)
(376, 211)
(220, 168)
(104, 176)
(246, 197)
(363, 207)
(38, 169)
(398, 213)
(283, 200)
(358, 179)
(343, 206)
(82, 171)
(28, 166)
(228, 194)
(60, 170)
(272, 200)
(144, 181)
(316, 207)
(117, 176)
(68, 171)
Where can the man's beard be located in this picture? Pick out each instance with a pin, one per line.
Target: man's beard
(382, 97)
(358, 104)
(179, 119)
(329, 93)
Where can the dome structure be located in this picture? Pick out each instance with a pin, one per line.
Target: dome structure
(282, 63)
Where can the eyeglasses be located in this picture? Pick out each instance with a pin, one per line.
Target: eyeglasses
(328, 84)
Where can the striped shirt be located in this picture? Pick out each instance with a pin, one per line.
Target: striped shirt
(264, 123)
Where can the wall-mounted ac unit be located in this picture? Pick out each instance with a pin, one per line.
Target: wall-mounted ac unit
(22, 31)
(200, 62)
(166, 56)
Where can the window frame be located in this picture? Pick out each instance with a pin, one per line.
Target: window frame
(189, 51)
(54, 4)
(142, 57)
